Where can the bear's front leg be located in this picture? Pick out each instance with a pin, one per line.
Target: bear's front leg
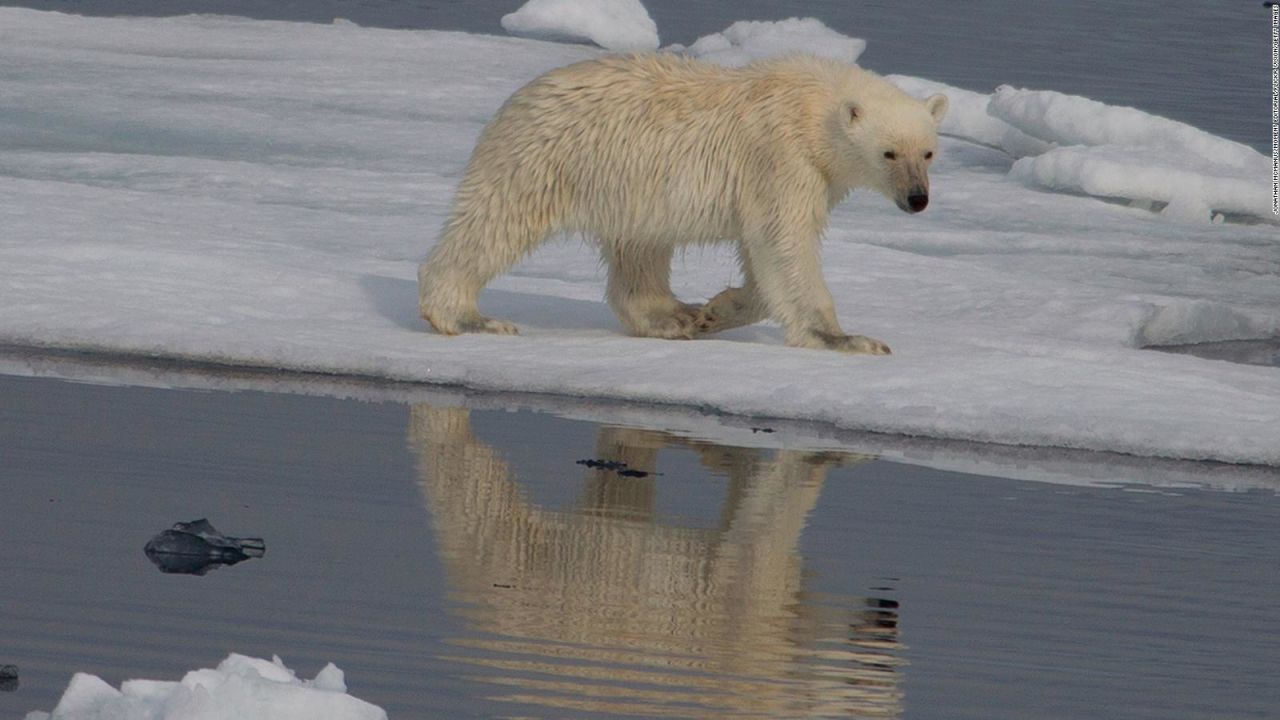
(787, 269)
(737, 306)
(852, 344)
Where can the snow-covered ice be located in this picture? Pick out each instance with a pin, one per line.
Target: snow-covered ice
(1190, 188)
(611, 24)
(240, 688)
(260, 193)
(1074, 120)
(748, 40)
(1122, 152)
(1073, 144)
(967, 117)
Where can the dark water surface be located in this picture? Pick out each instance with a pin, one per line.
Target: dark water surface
(1205, 62)
(455, 560)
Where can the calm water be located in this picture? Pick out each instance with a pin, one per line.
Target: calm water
(1203, 62)
(451, 555)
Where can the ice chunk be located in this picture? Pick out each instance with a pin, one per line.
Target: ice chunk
(1073, 120)
(611, 24)
(748, 40)
(193, 548)
(8, 678)
(240, 688)
(1178, 321)
(967, 117)
(330, 678)
(1191, 187)
(85, 698)
(1123, 152)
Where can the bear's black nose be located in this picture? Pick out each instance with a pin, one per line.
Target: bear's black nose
(917, 202)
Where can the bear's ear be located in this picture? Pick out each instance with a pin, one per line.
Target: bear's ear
(937, 107)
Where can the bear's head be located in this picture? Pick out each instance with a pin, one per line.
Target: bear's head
(889, 142)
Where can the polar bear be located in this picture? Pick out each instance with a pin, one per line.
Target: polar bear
(645, 153)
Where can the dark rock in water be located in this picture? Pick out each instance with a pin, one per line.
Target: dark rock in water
(8, 678)
(194, 548)
(603, 464)
(616, 466)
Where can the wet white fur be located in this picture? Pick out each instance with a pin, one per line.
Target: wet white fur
(645, 153)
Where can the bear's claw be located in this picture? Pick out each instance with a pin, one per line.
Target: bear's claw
(853, 344)
(488, 325)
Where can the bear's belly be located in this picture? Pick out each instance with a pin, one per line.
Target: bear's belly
(672, 211)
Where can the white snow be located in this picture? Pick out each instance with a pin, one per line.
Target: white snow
(748, 40)
(240, 688)
(1073, 144)
(1122, 152)
(1074, 120)
(1191, 187)
(260, 193)
(612, 24)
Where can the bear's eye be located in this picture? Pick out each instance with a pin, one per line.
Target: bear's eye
(890, 154)
(928, 155)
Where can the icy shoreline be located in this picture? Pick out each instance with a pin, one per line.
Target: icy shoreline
(1037, 464)
(259, 194)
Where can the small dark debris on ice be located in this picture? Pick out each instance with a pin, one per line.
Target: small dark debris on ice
(196, 547)
(755, 430)
(8, 678)
(617, 467)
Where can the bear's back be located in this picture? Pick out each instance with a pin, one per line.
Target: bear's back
(640, 144)
(667, 86)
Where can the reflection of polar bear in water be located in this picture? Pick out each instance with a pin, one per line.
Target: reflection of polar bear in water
(646, 153)
(604, 607)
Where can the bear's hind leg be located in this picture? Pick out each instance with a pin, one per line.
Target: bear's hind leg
(447, 300)
(474, 249)
(639, 292)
